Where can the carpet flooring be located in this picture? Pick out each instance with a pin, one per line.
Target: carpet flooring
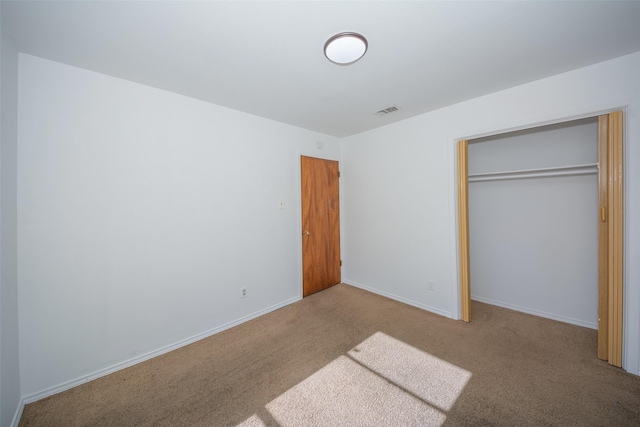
(345, 356)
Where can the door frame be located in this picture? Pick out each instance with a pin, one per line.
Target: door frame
(611, 143)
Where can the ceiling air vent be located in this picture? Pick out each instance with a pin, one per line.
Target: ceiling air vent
(388, 110)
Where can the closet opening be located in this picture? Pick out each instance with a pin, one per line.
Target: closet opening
(540, 224)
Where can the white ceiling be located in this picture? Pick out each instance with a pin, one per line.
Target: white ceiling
(266, 58)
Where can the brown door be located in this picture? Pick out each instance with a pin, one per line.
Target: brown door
(320, 224)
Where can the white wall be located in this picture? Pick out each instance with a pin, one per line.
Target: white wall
(9, 356)
(533, 243)
(400, 186)
(142, 214)
(562, 144)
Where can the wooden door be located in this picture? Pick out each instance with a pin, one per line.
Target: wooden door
(610, 237)
(320, 224)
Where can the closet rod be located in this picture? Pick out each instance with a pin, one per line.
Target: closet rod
(536, 173)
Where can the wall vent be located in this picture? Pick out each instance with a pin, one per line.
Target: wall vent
(388, 110)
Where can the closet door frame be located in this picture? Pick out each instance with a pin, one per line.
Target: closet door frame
(610, 235)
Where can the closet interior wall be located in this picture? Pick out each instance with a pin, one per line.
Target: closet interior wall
(533, 221)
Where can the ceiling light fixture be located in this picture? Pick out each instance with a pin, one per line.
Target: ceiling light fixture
(345, 48)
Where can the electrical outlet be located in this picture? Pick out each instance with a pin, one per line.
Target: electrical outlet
(243, 293)
(430, 285)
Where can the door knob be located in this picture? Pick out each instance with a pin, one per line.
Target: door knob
(305, 233)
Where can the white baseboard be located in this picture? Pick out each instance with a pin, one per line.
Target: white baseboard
(18, 414)
(536, 312)
(144, 357)
(400, 299)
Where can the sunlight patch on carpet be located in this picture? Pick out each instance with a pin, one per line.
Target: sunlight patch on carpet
(346, 393)
(433, 380)
(382, 381)
(253, 421)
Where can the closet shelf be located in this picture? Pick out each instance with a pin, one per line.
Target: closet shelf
(587, 169)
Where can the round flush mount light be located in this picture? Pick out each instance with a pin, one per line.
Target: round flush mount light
(345, 48)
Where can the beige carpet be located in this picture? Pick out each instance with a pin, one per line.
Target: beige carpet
(348, 357)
